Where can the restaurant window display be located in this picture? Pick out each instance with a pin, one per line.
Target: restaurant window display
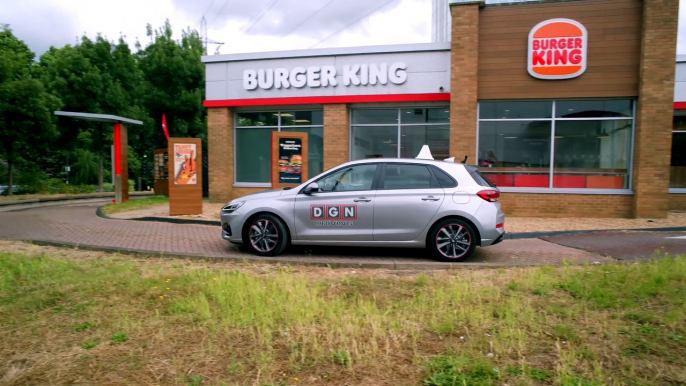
(394, 133)
(677, 175)
(253, 141)
(568, 144)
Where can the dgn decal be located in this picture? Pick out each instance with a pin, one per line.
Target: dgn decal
(333, 212)
(317, 212)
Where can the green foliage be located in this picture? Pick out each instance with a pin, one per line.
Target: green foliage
(95, 75)
(119, 337)
(448, 370)
(135, 204)
(26, 109)
(341, 358)
(193, 380)
(85, 168)
(90, 344)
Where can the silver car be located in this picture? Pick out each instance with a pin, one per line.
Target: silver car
(449, 208)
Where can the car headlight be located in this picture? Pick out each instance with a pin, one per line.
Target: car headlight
(231, 207)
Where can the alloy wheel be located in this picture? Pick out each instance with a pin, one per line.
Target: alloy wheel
(453, 241)
(264, 236)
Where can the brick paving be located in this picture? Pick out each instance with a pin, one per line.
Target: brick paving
(79, 225)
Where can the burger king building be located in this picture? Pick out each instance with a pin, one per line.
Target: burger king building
(568, 106)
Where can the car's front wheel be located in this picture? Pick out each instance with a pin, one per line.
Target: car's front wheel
(265, 235)
(452, 240)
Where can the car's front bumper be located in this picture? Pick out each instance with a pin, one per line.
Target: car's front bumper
(232, 223)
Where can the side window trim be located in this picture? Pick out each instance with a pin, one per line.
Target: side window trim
(382, 181)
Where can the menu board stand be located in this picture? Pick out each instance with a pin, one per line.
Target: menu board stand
(185, 176)
(161, 172)
(289, 159)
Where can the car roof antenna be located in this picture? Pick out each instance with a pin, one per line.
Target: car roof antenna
(464, 161)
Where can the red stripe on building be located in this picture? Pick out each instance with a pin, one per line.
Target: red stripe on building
(679, 105)
(117, 149)
(434, 97)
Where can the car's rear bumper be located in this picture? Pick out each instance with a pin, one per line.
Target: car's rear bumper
(499, 239)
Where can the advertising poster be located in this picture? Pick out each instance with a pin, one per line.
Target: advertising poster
(185, 172)
(290, 160)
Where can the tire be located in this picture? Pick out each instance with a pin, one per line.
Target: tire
(448, 238)
(265, 235)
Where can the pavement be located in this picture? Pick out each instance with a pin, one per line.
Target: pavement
(78, 225)
(627, 245)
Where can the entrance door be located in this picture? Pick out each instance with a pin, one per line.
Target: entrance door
(407, 199)
(344, 208)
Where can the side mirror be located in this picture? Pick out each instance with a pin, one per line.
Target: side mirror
(311, 188)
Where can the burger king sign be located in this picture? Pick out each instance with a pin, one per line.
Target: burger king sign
(557, 49)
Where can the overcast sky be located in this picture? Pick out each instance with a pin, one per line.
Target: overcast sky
(242, 25)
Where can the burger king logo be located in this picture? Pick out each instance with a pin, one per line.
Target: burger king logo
(557, 49)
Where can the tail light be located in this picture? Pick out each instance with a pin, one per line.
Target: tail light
(489, 195)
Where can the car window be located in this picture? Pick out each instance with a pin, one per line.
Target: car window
(404, 176)
(443, 178)
(358, 177)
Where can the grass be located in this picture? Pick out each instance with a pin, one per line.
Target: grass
(135, 204)
(133, 321)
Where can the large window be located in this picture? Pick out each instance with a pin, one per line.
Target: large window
(253, 141)
(393, 133)
(568, 144)
(677, 179)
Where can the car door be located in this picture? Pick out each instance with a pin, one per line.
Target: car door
(343, 209)
(407, 198)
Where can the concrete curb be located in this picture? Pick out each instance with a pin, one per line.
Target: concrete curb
(288, 261)
(75, 197)
(160, 219)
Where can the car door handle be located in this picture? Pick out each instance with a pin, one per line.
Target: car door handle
(362, 199)
(430, 198)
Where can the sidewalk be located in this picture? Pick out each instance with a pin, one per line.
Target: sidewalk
(512, 224)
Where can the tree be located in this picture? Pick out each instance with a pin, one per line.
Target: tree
(26, 109)
(174, 82)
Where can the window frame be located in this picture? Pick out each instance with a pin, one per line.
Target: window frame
(677, 190)
(398, 125)
(236, 127)
(552, 120)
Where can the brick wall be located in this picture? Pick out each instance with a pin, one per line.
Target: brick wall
(566, 205)
(464, 60)
(677, 201)
(655, 108)
(220, 153)
(336, 135)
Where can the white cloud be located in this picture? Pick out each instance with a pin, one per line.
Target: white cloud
(283, 25)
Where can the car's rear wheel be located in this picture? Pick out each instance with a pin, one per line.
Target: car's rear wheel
(265, 235)
(452, 240)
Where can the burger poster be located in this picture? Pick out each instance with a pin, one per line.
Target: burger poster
(290, 160)
(185, 171)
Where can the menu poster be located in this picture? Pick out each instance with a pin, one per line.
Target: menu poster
(185, 172)
(290, 160)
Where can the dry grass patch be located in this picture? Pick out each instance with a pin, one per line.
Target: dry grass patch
(82, 317)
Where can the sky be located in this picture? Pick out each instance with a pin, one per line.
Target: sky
(242, 25)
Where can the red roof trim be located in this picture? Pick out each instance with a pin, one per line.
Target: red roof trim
(679, 105)
(329, 99)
